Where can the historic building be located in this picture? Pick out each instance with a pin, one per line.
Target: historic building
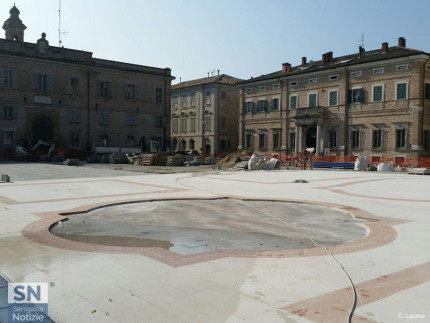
(375, 103)
(76, 101)
(204, 115)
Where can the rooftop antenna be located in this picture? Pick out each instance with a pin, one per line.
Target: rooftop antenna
(59, 25)
(362, 40)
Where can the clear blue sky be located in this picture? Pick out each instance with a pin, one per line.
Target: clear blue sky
(242, 38)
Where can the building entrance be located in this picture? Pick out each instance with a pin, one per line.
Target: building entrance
(43, 129)
(311, 137)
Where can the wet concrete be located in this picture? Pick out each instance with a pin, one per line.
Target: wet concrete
(192, 226)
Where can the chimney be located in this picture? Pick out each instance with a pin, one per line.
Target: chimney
(303, 60)
(330, 57)
(286, 67)
(384, 47)
(361, 50)
(324, 58)
(402, 42)
(218, 72)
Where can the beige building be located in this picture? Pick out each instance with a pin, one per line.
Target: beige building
(204, 115)
(374, 103)
(77, 101)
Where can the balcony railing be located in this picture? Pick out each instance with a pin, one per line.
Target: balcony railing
(313, 112)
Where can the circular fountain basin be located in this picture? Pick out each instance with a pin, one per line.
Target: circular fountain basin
(192, 226)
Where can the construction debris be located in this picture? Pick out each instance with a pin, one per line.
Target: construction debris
(361, 163)
(71, 162)
(233, 158)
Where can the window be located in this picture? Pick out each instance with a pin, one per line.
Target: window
(377, 71)
(332, 136)
(159, 122)
(74, 140)
(223, 95)
(184, 101)
(332, 98)
(262, 141)
(248, 140)
(9, 113)
(193, 124)
(8, 138)
(184, 124)
(222, 123)
(312, 100)
(276, 140)
(74, 86)
(75, 116)
(249, 90)
(130, 92)
(427, 91)
(355, 138)
(158, 95)
(292, 140)
(376, 138)
(7, 79)
(208, 121)
(104, 89)
(261, 105)
(130, 141)
(248, 107)
(293, 102)
(262, 88)
(193, 99)
(274, 104)
(276, 86)
(333, 77)
(103, 140)
(208, 97)
(402, 67)
(131, 119)
(357, 74)
(356, 95)
(426, 139)
(42, 83)
(378, 93)
(401, 91)
(313, 81)
(175, 125)
(294, 83)
(175, 101)
(400, 138)
(104, 117)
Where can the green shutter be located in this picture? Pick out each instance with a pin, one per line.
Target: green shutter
(361, 96)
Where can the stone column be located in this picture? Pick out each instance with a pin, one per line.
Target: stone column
(298, 141)
(318, 145)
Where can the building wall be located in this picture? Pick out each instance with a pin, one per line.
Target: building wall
(209, 102)
(88, 102)
(411, 113)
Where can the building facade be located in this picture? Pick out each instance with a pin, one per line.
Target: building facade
(204, 115)
(76, 101)
(374, 103)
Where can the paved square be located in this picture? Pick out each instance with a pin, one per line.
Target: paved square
(89, 282)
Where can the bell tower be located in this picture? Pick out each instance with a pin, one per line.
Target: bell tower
(13, 26)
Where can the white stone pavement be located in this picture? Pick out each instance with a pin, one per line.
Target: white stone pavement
(392, 278)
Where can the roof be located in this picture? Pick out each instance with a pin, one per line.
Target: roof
(347, 60)
(220, 79)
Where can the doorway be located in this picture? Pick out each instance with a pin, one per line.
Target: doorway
(311, 137)
(43, 129)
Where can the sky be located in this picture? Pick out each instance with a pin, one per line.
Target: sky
(241, 38)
